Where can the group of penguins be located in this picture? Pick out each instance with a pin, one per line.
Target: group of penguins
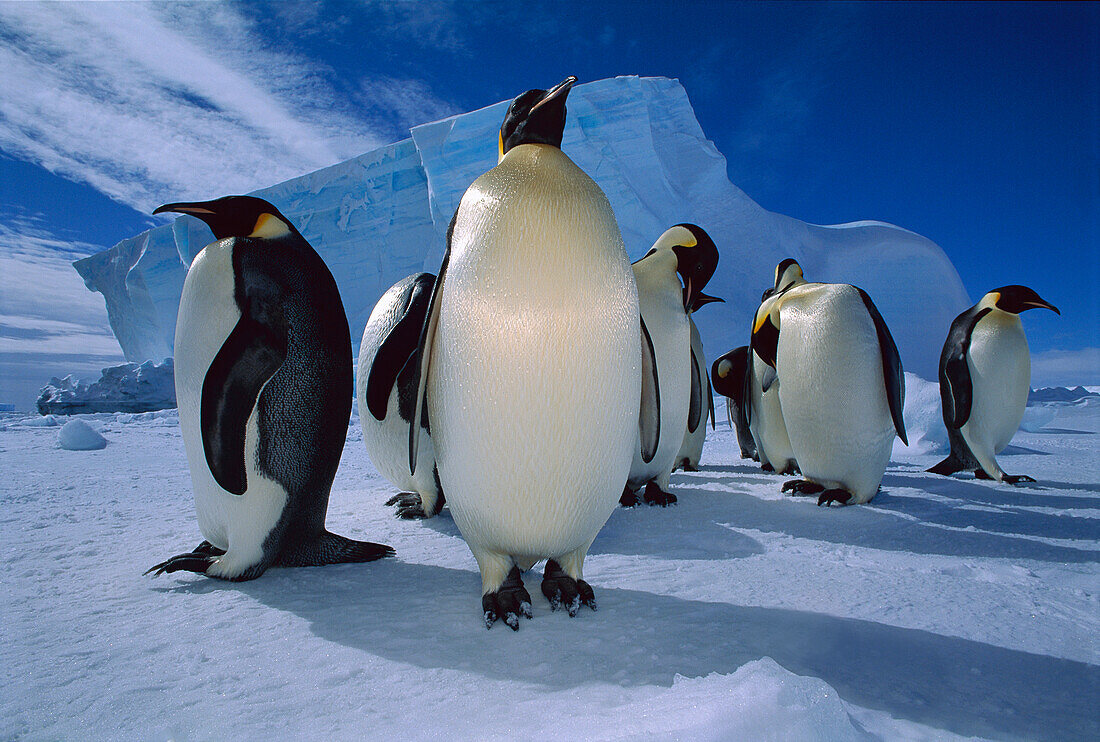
(537, 382)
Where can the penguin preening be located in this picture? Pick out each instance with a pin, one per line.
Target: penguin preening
(687, 251)
(841, 387)
(263, 384)
(530, 365)
(386, 394)
(985, 376)
(729, 372)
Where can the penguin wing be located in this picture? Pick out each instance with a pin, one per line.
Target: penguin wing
(891, 366)
(695, 405)
(649, 418)
(423, 355)
(250, 356)
(399, 345)
(710, 397)
(956, 388)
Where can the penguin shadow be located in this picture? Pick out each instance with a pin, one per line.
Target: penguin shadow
(1062, 431)
(429, 617)
(1015, 450)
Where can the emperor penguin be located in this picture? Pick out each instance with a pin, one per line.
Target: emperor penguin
(530, 362)
(762, 408)
(386, 394)
(701, 397)
(729, 372)
(263, 384)
(841, 388)
(687, 251)
(985, 376)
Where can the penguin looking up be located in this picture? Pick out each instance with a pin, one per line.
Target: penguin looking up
(263, 384)
(985, 376)
(841, 387)
(385, 393)
(729, 372)
(683, 251)
(530, 365)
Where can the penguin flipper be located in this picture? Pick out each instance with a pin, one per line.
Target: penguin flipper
(424, 351)
(649, 419)
(250, 356)
(710, 399)
(398, 346)
(891, 366)
(956, 387)
(695, 406)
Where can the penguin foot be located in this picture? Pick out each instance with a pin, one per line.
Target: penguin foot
(564, 592)
(196, 561)
(686, 465)
(510, 601)
(1016, 478)
(834, 495)
(629, 498)
(409, 506)
(767, 467)
(654, 495)
(802, 487)
(208, 548)
(791, 470)
(980, 474)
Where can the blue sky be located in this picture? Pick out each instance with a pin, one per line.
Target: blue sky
(974, 125)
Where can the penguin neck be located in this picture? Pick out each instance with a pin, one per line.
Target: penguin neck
(657, 278)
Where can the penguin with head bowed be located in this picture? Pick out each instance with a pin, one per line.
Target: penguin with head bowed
(701, 401)
(841, 388)
(386, 393)
(729, 372)
(985, 376)
(683, 251)
(529, 363)
(761, 410)
(263, 384)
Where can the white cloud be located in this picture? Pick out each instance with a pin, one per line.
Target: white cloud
(1065, 367)
(152, 103)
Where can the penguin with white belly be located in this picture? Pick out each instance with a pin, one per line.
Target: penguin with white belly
(701, 397)
(985, 376)
(729, 372)
(686, 251)
(263, 384)
(841, 388)
(386, 393)
(763, 415)
(530, 365)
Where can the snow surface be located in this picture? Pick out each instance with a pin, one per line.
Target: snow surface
(77, 435)
(383, 215)
(944, 607)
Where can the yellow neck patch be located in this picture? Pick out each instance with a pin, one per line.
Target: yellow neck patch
(269, 226)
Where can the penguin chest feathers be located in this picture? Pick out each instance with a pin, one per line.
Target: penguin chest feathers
(1000, 372)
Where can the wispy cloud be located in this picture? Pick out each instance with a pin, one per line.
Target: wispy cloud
(1065, 367)
(149, 103)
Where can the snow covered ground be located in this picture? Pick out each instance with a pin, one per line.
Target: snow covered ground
(945, 607)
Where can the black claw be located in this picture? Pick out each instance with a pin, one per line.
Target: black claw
(980, 474)
(208, 548)
(588, 598)
(767, 467)
(509, 602)
(654, 495)
(565, 592)
(193, 562)
(802, 487)
(409, 505)
(834, 495)
(629, 498)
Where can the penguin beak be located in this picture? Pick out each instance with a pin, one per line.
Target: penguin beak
(196, 208)
(1042, 305)
(699, 300)
(558, 91)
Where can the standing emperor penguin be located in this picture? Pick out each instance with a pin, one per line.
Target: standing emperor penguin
(688, 251)
(263, 385)
(762, 408)
(985, 376)
(530, 364)
(385, 389)
(729, 372)
(841, 388)
(701, 394)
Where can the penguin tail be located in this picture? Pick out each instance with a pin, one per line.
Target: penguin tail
(332, 549)
(947, 467)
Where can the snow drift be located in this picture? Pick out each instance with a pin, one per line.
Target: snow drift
(383, 215)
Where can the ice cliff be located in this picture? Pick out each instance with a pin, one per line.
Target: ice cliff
(383, 215)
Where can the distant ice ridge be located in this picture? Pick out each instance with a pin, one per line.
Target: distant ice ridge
(383, 215)
(130, 387)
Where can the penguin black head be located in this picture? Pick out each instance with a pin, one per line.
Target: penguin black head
(1015, 299)
(787, 274)
(728, 373)
(696, 260)
(236, 216)
(536, 117)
